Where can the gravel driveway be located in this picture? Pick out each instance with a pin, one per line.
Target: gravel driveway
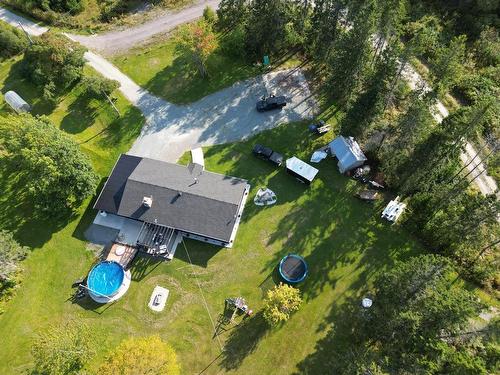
(225, 116)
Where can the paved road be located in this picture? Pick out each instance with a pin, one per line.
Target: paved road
(116, 41)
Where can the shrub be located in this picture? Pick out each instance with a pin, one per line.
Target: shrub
(12, 41)
(54, 58)
(98, 86)
(147, 355)
(280, 303)
(209, 15)
(10, 255)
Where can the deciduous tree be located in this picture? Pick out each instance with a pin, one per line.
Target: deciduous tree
(62, 349)
(58, 175)
(280, 303)
(54, 61)
(199, 41)
(146, 355)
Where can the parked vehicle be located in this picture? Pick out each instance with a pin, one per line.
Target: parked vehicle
(267, 153)
(270, 103)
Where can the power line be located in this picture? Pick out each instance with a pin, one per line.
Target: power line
(202, 296)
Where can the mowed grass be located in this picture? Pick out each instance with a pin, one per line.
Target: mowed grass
(165, 72)
(94, 124)
(342, 239)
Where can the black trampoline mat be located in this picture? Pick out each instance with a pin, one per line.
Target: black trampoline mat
(293, 268)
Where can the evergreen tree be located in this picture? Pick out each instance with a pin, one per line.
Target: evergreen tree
(448, 65)
(231, 13)
(415, 306)
(265, 29)
(349, 60)
(324, 28)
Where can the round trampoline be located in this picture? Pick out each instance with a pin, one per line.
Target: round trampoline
(293, 268)
(105, 279)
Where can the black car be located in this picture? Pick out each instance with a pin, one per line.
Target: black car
(267, 154)
(270, 103)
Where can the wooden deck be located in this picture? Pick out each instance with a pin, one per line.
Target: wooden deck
(124, 259)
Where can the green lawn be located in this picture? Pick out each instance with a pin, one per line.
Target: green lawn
(163, 71)
(342, 239)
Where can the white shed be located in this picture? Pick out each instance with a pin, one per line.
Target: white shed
(348, 152)
(17, 103)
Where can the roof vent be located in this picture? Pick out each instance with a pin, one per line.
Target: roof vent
(147, 201)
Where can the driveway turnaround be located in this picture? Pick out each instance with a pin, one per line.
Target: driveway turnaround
(225, 116)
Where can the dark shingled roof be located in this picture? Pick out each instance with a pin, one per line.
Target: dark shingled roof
(184, 198)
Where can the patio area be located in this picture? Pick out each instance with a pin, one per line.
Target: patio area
(122, 254)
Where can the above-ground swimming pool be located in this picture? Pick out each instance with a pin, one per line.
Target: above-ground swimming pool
(105, 279)
(293, 268)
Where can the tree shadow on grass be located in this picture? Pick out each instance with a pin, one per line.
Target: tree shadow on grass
(81, 114)
(89, 215)
(344, 349)
(122, 130)
(30, 226)
(181, 83)
(243, 341)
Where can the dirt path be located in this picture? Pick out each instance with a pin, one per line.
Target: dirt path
(121, 40)
(486, 184)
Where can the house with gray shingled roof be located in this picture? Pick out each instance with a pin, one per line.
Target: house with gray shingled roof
(162, 202)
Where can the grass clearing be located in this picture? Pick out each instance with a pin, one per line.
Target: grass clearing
(172, 76)
(341, 238)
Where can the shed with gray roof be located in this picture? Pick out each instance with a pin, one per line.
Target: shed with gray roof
(348, 153)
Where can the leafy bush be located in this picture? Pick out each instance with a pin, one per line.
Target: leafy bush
(12, 41)
(53, 58)
(62, 349)
(280, 303)
(10, 255)
(59, 176)
(147, 355)
(209, 15)
(98, 86)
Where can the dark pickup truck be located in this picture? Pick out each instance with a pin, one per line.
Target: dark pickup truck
(270, 103)
(268, 154)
